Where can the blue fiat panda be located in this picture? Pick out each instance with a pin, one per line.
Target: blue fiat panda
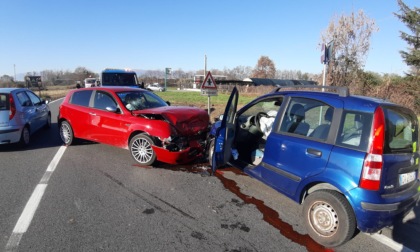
(351, 161)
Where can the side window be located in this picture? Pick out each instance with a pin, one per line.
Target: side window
(24, 99)
(261, 114)
(320, 121)
(354, 130)
(103, 100)
(81, 98)
(268, 106)
(35, 99)
(307, 117)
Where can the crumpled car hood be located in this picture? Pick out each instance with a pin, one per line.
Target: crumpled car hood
(187, 120)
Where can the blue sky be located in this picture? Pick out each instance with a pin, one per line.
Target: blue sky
(151, 35)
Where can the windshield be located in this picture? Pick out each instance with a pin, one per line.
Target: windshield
(138, 100)
(119, 79)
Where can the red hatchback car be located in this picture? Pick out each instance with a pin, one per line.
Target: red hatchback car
(137, 120)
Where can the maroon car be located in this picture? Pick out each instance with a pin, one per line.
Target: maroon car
(134, 119)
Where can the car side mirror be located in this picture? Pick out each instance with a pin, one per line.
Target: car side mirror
(167, 102)
(112, 109)
(216, 119)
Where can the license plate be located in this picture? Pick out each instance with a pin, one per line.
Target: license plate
(407, 178)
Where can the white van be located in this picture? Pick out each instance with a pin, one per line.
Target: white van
(90, 82)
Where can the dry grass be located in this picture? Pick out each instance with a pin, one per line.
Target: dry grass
(53, 92)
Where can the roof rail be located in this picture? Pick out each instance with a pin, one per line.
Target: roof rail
(341, 91)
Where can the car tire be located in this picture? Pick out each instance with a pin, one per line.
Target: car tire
(210, 151)
(25, 137)
(48, 124)
(141, 149)
(329, 218)
(66, 133)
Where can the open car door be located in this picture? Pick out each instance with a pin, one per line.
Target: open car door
(226, 133)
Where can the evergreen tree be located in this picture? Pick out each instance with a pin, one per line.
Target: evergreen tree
(411, 18)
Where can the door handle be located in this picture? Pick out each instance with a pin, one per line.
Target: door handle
(314, 152)
(91, 113)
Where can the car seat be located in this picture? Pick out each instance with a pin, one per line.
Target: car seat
(298, 124)
(321, 132)
(353, 135)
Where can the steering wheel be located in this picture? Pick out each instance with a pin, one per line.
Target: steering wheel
(257, 118)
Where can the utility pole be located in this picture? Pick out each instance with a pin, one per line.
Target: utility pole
(204, 76)
(205, 66)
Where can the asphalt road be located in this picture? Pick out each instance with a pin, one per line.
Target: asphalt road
(93, 197)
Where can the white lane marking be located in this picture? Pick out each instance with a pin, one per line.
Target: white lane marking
(56, 100)
(390, 243)
(28, 213)
(29, 210)
(51, 167)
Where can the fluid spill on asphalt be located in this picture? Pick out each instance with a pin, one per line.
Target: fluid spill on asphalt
(269, 215)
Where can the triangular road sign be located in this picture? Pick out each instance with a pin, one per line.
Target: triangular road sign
(208, 82)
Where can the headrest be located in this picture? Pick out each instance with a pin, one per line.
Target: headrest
(329, 114)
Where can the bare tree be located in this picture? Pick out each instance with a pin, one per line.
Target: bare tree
(351, 42)
(239, 72)
(265, 68)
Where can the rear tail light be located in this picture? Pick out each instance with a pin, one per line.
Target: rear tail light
(12, 110)
(372, 166)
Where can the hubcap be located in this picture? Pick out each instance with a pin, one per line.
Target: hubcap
(142, 150)
(65, 133)
(323, 218)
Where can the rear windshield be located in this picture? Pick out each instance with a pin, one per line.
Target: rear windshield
(401, 134)
(3, 102)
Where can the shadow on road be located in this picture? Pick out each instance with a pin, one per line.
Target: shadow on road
(44, 138)
(406, 231)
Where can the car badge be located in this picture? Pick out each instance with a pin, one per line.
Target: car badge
(412, 161)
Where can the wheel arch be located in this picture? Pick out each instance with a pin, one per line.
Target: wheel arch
(136, 132)
(310, 188)
(27, 125)
(60, 120)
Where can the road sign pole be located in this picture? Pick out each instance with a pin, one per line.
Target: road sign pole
(208, 104)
